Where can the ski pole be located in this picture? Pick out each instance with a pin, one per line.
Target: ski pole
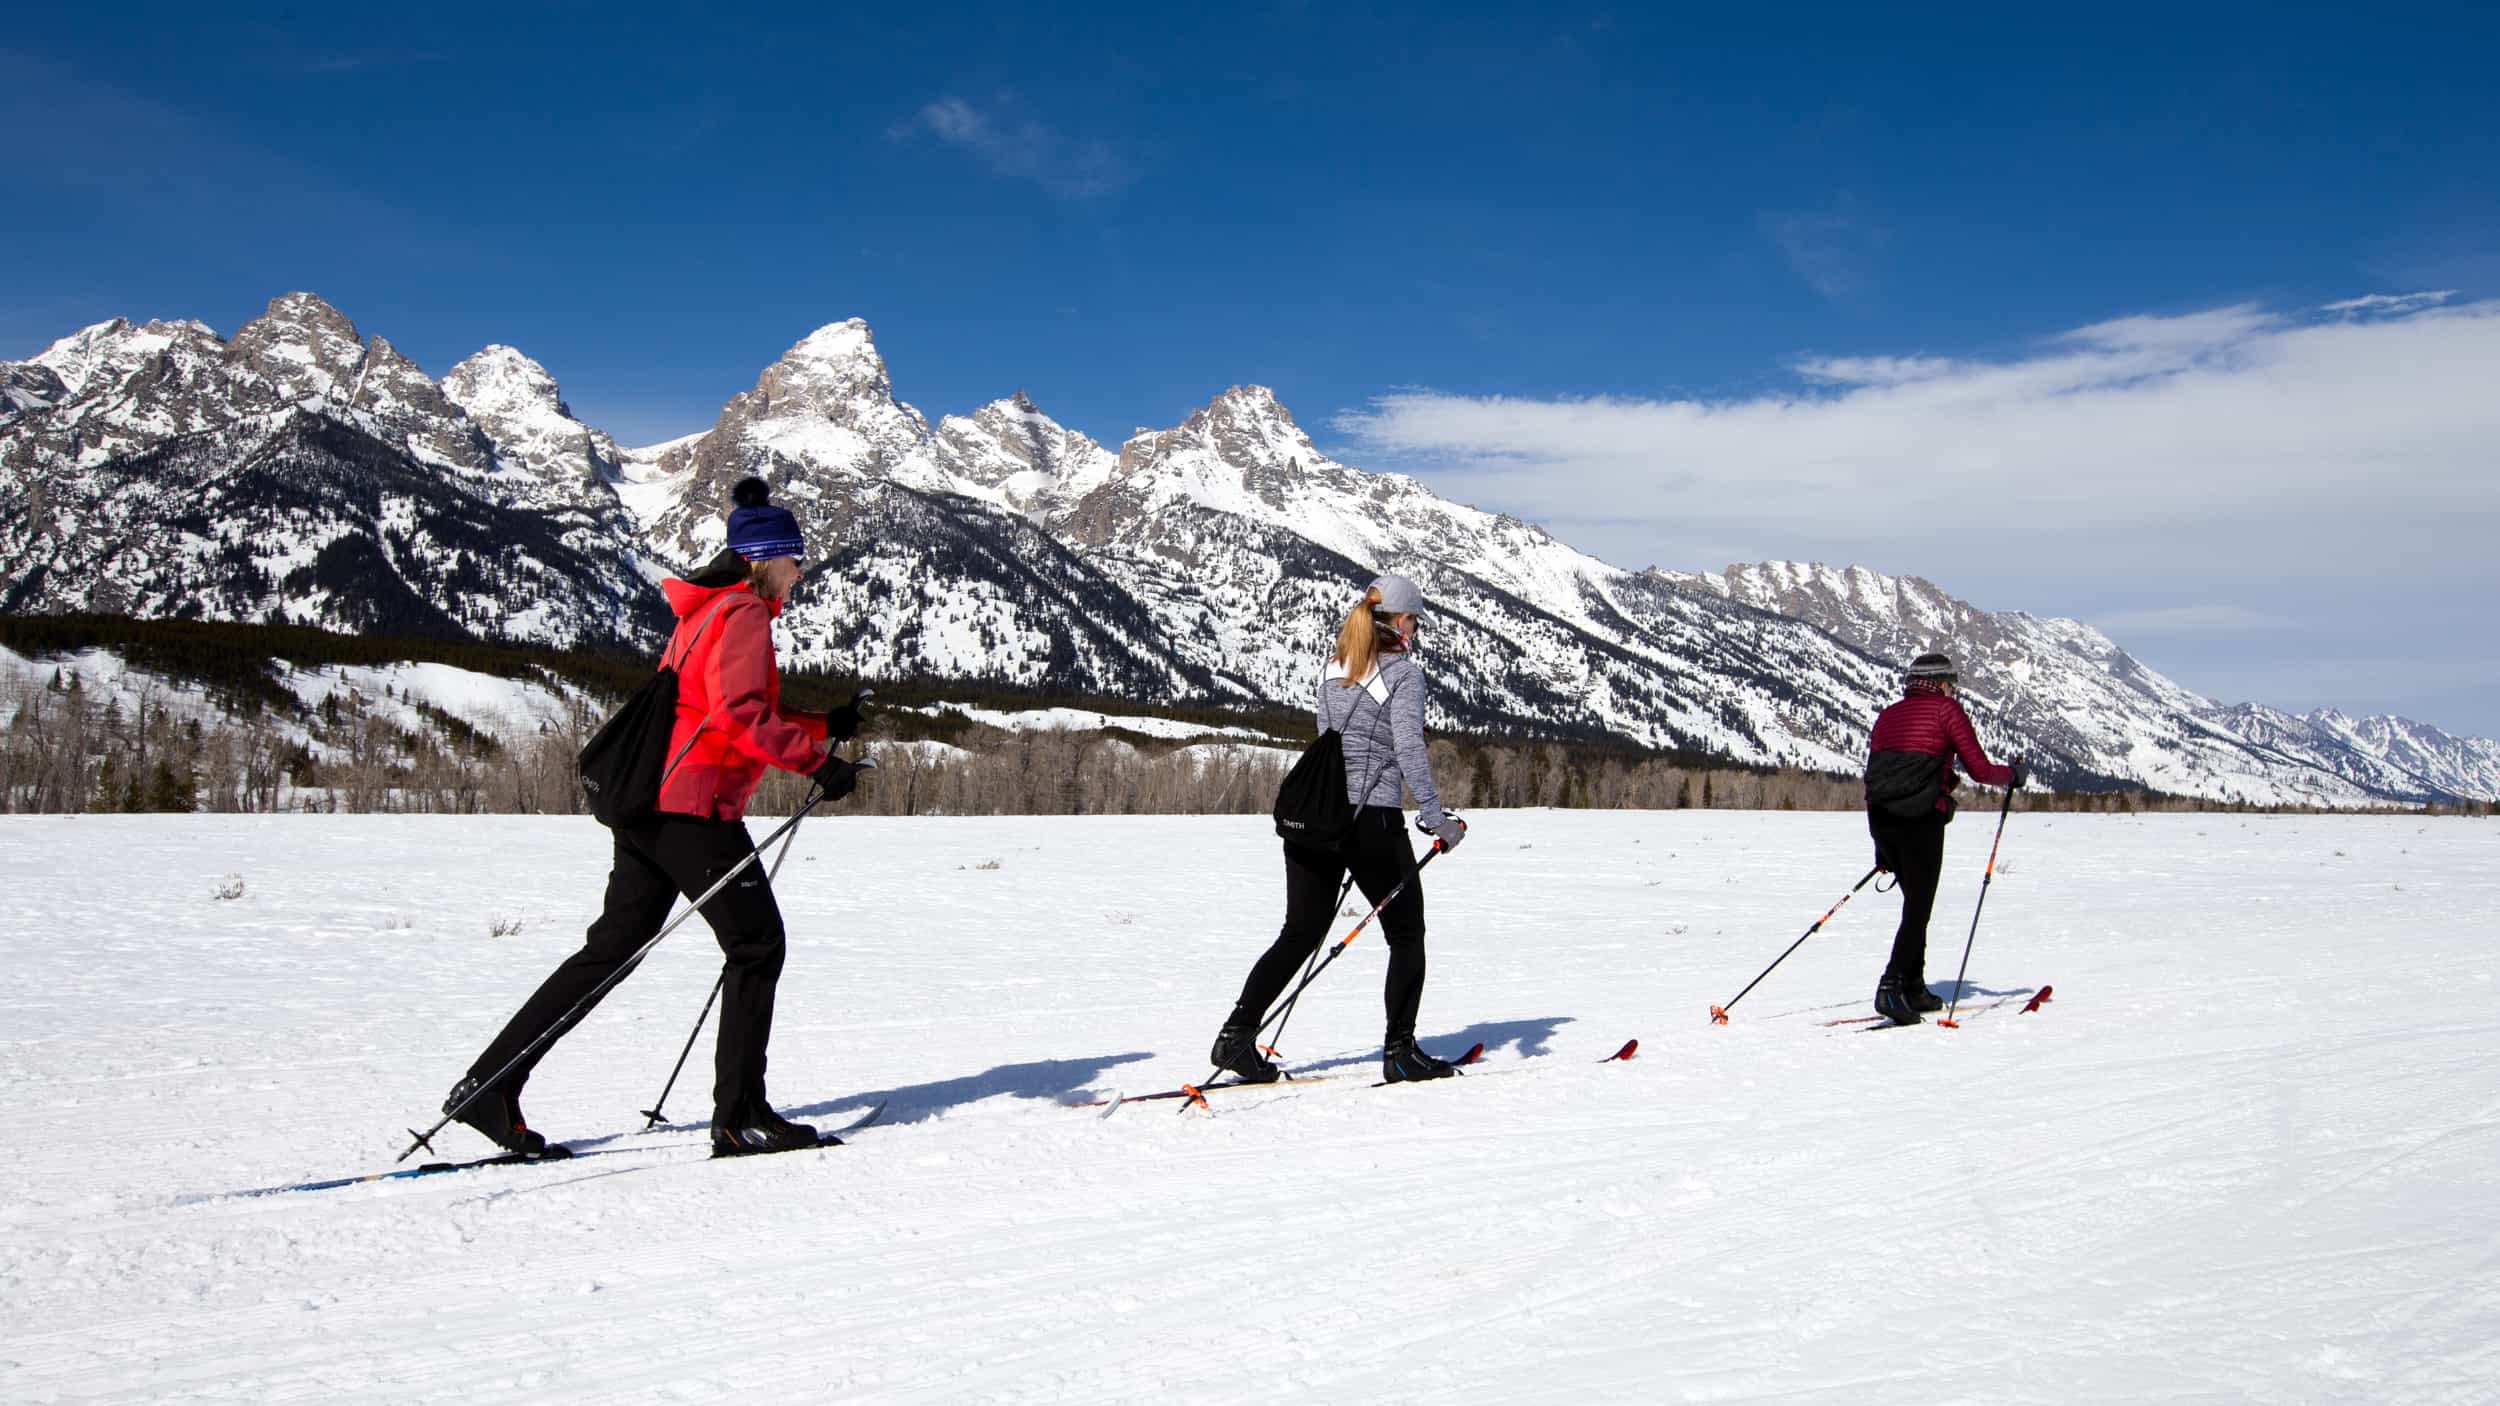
(1333, 953)
(651, 1115)
(2002, 811)
(815, 797)
(1718, 1014)
(1269, 1049)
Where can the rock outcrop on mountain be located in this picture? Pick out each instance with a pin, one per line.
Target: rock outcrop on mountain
(304, 472)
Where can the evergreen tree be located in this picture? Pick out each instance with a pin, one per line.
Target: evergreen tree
(169, 790)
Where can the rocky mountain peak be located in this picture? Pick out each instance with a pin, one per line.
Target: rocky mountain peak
(833, 373)
(302, 346)
(99, 357)
(501, 380)
(1011, 448)
(74, 358)
(1244, 405)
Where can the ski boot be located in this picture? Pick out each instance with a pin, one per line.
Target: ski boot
(1922, 1000)
(496, 1114)
(1236, 1052)
(1893, 1002)
(1402, 1061)
(755, 1129)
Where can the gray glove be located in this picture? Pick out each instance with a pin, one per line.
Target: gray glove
(1451, 831)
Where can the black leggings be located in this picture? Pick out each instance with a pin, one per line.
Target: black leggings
(1914, 851)
(656, 861)
(1380, 857)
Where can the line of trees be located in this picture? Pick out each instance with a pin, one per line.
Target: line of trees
(238, 739)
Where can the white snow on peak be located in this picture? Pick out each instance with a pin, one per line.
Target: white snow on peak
(504, 381)
(847, 340)
(1011, 453)
(93, 356)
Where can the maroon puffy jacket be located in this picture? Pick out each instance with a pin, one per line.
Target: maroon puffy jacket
(1911, 754)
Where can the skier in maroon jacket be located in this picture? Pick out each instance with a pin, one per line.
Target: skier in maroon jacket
(1909, 801)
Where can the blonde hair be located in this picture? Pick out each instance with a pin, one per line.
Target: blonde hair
(1359, 639)
(759, 580)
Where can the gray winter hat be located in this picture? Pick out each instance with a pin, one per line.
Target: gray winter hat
(1933, 666)
(1398, 596)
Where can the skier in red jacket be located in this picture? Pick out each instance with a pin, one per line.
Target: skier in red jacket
(730, 726)
(1909, 801)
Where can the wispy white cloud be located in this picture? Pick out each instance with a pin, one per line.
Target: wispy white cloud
(1021, 148)
(2201, 476)
(2387, 304)
(2303, 446)
(2193, 620)
(1834, 253)
(2236, 413)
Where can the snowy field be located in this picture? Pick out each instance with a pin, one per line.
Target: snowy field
(2248, 1153)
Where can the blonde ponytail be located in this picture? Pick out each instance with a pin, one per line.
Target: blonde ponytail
(1358, 640)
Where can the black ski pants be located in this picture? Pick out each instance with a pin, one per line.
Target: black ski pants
(1380, 856)
(1914, 851)
(656, 861)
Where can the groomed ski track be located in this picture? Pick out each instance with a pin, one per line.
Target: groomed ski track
(2244, 1155)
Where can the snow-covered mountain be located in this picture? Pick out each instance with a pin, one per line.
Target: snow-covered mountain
(298, 472)
(301, 471)
(2093, 713)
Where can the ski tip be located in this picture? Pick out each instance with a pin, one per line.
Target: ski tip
(1112, 1104)
(2036, 998)
(1474, 1052)
(1718, 1015)
(1630, 1048)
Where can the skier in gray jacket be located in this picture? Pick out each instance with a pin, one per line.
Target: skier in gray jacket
(1372, 692)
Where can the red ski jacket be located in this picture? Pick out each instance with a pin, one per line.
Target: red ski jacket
(1914, 744)
(730, 722)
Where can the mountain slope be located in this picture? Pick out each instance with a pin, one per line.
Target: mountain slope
(2095, 714)
(303, 471)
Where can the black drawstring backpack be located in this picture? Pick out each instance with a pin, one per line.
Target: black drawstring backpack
(1311, 806)
(627, 758)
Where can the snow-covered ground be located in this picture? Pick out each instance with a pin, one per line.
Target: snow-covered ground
(1086, 720)
(508, 708)
(2245, 1155)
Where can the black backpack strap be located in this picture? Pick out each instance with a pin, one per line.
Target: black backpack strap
(706, 623)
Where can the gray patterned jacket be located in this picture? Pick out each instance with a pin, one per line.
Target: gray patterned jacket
(1383, 723)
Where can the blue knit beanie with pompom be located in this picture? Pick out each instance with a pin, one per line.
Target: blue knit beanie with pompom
(758, 531)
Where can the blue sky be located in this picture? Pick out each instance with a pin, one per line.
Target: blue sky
(1125, 210)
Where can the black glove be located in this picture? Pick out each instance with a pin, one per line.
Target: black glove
(2021, 770)
(1450, 832)
(842, 724)
(838, 778)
